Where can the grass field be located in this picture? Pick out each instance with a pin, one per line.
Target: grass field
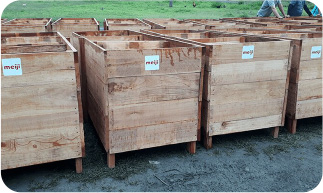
(101, 9)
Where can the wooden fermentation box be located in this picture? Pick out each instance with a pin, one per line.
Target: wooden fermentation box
(27, 25)
(143, 91)
(245, 81)
(40, 100)
(125, 24)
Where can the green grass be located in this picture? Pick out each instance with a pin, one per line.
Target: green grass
(101, 9)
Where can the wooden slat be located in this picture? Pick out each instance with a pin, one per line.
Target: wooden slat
(39, 122)
(122, 45)
(130, 116)
(311, 69)
(244, 72)
(309, 108)
(40, 146)
(220, 128)
(309, 89)
(33, 49)
(232, 53)
(130, 90)
(99, 120)
(245, 110)
(125, 63)
(57, 72)
(38, 100)
(152, 136)
(246, 92)
(307, 48)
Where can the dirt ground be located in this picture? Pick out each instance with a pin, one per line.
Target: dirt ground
(250, 161)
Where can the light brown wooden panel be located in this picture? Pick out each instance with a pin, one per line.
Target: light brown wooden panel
(246, 92)
(244, 72)
(130, 90)
(135, 115)
(309, 108)
(232, 53)
(309, 89)
(227, 127)
(152, 136)
(40, 146)
(245, 110)
(307, 45)
(38, 100)
(122, 45)
(125, 63)
(310, 69)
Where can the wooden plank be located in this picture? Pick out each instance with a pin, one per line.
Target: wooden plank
(30, 40)
(246, 92)
(33, 49)
(152, 136)
(41, 146)
(232, 53)
(98, 89)
(135, 115)
(307, 45)
(309, 89)
(115, 38)
(59, 64)
(131, 90)
(122, 45)
(310, 69)
(244, 72)
(226, 127)
(245, 110)
(38, 100)
(39, 122)
(309, 108)
(95, 59)
(123, 63)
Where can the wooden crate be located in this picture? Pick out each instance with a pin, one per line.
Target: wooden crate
(133, 107)
(3, 20)
(27, 25)
(293, 23)
(40, 101)
(242, 94)
(173, 24)
(125, 24)
(68, 25)
(215, 24)
(305, 87)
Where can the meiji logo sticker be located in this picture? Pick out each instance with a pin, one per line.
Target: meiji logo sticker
(152, 62)
(247, 52)
(316, 52)
(11, 67)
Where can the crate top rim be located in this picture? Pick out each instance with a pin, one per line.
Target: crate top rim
(58, 21)
(8, 22)
(243, 30)
(139, 21)
(268, 39)
(86, 34)
(41, 34)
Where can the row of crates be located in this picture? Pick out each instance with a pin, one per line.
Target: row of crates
(155, 87)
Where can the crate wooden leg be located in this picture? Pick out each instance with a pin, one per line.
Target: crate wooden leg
(111, 159)
(191, 147)
(291, 125)
(207, 142)
(274, 132)
(78, 165)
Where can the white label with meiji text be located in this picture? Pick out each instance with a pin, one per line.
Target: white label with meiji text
(316, 52)
(152, 62)
(11, 67)
(247, 52)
